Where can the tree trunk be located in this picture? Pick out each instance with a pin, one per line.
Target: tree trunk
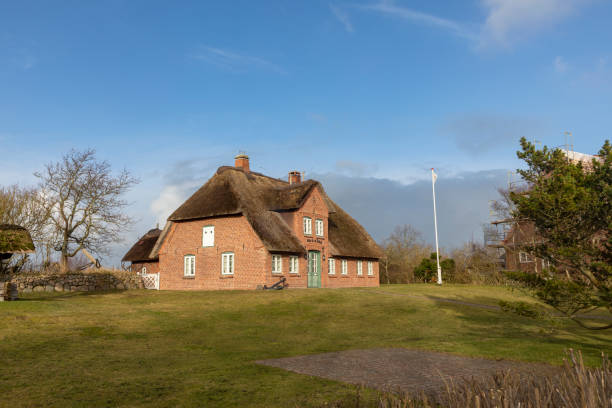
(64, 262)
(387, 271)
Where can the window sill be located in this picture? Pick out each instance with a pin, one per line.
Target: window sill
(226, 276)
(297, 275)
(188, 277)
(345, 276)
(371, 276)
(332, 276)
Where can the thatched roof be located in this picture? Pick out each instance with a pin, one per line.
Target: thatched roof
(260, 199)
(141, 251)
(15, 239)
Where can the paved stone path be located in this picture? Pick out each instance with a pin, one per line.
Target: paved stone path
(410, 371)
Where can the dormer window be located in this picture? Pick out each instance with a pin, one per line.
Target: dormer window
(319, 227)
(307, 226)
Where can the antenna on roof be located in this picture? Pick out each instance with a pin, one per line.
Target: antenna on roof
(569, 144)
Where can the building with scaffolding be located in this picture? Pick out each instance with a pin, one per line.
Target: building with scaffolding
(514, 241)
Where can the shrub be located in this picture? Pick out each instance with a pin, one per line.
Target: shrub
(427, 271)
(521, 309)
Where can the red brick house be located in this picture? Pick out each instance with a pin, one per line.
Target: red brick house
(243, 230)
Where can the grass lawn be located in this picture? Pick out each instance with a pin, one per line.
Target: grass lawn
(137, 348)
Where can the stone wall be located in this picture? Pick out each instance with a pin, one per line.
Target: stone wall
(79, 281)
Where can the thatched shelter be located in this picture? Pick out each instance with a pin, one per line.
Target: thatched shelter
(14, 239)
(141, 251)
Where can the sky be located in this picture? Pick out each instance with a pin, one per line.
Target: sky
(365, 96)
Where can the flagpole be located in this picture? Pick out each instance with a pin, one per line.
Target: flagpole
(433, 190)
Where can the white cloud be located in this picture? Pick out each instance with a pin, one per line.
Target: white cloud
(480, 133)
(342, 17)
(355, 168)
(511, 20)
(598, 76)
(560, 65)
(506, 21)
(170, 198)
(388, 7)
(233, 61)
(317, 117)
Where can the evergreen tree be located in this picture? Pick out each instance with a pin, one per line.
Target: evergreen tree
(570, 204)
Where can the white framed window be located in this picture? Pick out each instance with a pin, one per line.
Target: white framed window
(524, 257)
(370, 268)
(359, 268)
(208, 236)
(332, 266)
(189, 265)
(319, 227)
(307, 226)
(344, 267)
(227, 263)
(144, 269)
(277, 264)
(294, 264)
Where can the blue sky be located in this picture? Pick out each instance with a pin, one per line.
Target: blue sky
(349, 90)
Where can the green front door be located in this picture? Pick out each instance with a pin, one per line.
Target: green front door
(314, 269)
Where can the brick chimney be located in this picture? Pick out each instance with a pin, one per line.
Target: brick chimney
(295, 177)
(242, 162)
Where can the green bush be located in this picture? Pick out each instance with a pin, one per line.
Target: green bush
(427, 270)
(520, 308)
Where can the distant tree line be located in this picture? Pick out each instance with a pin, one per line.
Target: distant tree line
(408, 259)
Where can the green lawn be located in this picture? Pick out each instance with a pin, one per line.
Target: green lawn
(137, 348)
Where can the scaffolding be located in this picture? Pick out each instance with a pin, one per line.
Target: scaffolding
(507, 235)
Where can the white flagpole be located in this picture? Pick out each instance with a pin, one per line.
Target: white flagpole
(433, 189)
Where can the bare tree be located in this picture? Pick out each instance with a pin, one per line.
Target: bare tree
(23, 207)
(84, 202)
(503, 206)
(403, 249)
(475, 263)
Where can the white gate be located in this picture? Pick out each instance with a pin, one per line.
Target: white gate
(150, 280)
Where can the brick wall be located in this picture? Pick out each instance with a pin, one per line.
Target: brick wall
(232, 234)
(513, 262)
(152, 267)
(351, 279)
(315, 208)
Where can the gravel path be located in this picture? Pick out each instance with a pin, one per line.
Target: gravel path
(396, 369)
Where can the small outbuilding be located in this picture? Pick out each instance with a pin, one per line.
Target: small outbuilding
(14, 239)
(139, 254)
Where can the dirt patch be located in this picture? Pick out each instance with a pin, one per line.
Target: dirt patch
(400, 369)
